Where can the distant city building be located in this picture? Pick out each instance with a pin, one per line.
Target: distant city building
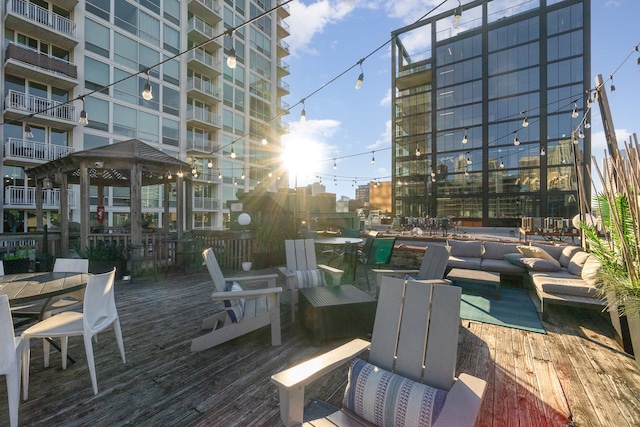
(484, 116)
(317, 188)
(362, 192)
(224, 122)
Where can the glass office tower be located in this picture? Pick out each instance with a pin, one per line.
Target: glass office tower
(488, 112)
(107, 51)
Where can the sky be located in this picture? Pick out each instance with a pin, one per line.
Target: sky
(329, 37)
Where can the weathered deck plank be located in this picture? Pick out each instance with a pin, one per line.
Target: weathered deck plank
(575, 373)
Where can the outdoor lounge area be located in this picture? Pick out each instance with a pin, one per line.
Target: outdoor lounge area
(575, 374)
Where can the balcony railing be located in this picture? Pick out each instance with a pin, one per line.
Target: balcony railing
(31, 150)
(199, 25)
(203, 86)
(42, 16)
(201, 144)
(283, 24)
(212, 5)
(206, 203)
(209, 175)
(202, 115)
(280, 63)
(48, 63)
(283, 85)
(204, 58)
(283, 45)
(41, 106)
(25, 197)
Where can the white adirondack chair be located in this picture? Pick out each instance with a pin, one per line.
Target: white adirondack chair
(260, 307)
(415, 335)
(301, 256)
(432, 267)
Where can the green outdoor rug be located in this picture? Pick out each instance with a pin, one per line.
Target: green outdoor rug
(514, 309)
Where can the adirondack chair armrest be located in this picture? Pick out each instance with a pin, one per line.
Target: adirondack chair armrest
(254, 293)
(463, 402)
(269, 278)
(292, 381)
(336, 274)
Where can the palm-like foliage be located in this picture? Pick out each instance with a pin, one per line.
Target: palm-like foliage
(620, 214)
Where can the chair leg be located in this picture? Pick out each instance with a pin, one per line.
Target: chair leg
(13, 391)
(118, 331)
(26, 356)
(366, 275)
(64, 344)
(46, 349)
(88, 346)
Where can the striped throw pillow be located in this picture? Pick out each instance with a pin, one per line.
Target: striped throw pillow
(309, 279)
(234, 307)
(387, 399)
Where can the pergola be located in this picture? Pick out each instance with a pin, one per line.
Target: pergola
(130, 163)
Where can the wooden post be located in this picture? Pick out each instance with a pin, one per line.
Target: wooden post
(136, 204)
(38, 204)
(84, 205)
(64, 212)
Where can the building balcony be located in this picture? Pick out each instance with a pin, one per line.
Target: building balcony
(283, 28)
(203, 90)
(29, 63)
(203, 119)
(24, 152)
(45, 111)
(203, 62)
(283, 11)
(283, 48)
(41, 23)
(17, 197)
(283, 128)
(282, 68)
(283, 108)
(208, 176)
(200, 32)
(283, 88)
(206, 204)
(202, 145)
(209, 10)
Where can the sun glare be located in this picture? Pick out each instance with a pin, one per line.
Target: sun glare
(301, 159)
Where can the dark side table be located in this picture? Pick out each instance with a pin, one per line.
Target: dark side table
(336, 312)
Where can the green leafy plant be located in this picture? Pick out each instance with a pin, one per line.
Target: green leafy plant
(104, 250)
(618, 250)
(19, 253)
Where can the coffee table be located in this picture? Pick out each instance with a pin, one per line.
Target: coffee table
(476, 277)
(336, 312)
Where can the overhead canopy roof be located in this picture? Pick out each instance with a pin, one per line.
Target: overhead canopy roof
(111, 165)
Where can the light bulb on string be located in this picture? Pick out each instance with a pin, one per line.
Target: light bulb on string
(264, 141)
(169, 175)
(84, 119)
(147, 92)
(542, 152)
(516, 141)
(457, 14)
(242, 176)
(335, 166)
(587, 125)
(27, 130)
(580, 134)
(525, 121)
(233, 152)
(180, 173)
(574, 113)
(303, 113)
(373, 157)
(219, 174)
(210, 164)
(231, 59)
(612, 88)
(418, 150)
(464, 138)
(361, 76)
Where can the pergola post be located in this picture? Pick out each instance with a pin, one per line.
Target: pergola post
(179, 206)
(84, 205)
(136, 204)
(64, 212)
(38, 205)
(166, 214)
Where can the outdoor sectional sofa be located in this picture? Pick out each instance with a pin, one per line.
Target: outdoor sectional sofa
(563, 275)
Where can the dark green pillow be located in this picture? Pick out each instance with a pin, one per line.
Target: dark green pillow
(514, 258)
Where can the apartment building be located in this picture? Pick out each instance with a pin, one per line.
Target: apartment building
(488, 111)
(74, 73)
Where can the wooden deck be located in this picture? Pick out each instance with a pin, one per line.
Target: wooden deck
(574, 375)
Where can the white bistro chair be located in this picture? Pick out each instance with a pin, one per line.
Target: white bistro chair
(10, 357)
(98, 313)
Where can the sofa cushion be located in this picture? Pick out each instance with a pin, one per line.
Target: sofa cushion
(539, 264)
(554, 251)
(497, 250)
(514, 258)
(567, 253)
(459, 248)
(468, 263)
(501, 266)
(536, 252)
(387, 399)
(577, 262)
(563, 283)
(590, 271)
(234, 307)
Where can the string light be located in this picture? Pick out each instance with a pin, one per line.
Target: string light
(147, 92)
(233, 152)
(417, 150)
(264, 141)
(27, 129)
(464, 138)
(574, 113)
(84, 120)
(180, 173)
(457, 14)
(210, 164)
(542, 152)
(242, 176)
(612, 88)
(231, 59)
(219, 174)
(525, 121)
(373, 157)
(335, 166)
(361, 76)
(516, 141)
(303, 113)
(501, 164)
(580, 134)
(169, 175)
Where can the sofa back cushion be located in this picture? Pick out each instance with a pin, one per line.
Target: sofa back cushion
(577, 262)
(536, 252)
(590, 271)
(554, 251)
(497, 250)
(539, 264)
(567, 253)
(459, 248)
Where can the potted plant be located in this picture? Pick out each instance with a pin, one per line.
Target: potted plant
(270, 233)
(618, 251)
(17, 261)
(104, 255)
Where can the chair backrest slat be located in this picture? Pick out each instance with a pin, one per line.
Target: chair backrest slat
(214, 270)
(414, 325)
(7, 346)
(99, 302)
(301, 254)
(434, 262)
(386, 326)
(71, 265)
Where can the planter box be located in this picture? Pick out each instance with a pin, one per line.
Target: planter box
(15, 266)
(97, 267)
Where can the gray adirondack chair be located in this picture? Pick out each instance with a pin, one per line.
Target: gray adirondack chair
(261, 307)
(415, 335)
(432, 267)
(301, 256)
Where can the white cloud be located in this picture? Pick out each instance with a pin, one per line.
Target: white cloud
(305, 21)
(306, 143)
(384, 140)
(386, 101)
